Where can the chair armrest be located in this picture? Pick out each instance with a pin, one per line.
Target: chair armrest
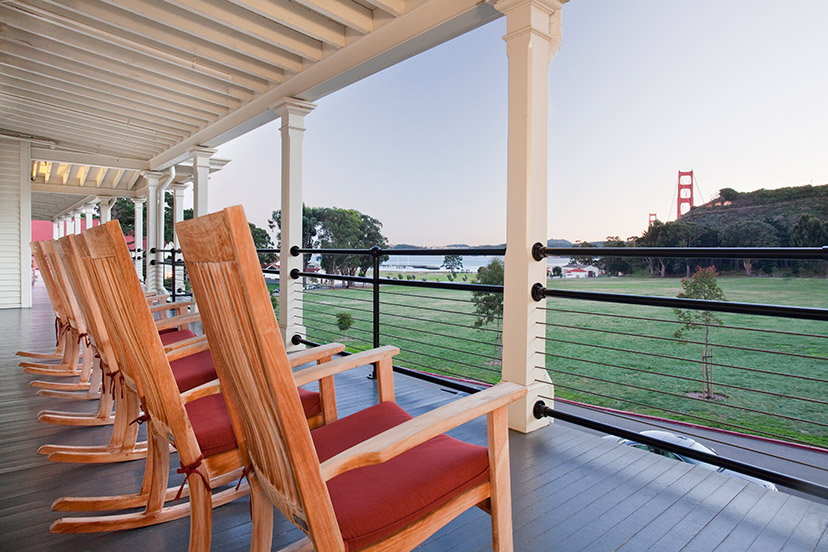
(187, 347)
(152, 297)
(203, 390)
(313, 354)
(165, 323)
(315, 373)
(407, 435)
(171, 306)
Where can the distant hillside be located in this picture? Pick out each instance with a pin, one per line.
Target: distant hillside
(778, 207)
(549, 243)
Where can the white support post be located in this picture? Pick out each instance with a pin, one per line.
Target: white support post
(89, 211)
(153, 185)
(61, 226)
(56, 230)
(292, 113)
(532, 40)
(105, 204)
(78, 224)
(69, 223)
(25, 218)
(178, 216)
(138, 202)
(201, 179)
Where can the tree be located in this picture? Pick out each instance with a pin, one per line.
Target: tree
(584, 259)
(335, 228)
(124, 212)
(453, 263)
(344, 320)
(487, 305)
(748, 233)
(701, 285)
(614, 265)
(728, 194)
(808, 231)
(557, 272)
(169, 216)
(261, 239)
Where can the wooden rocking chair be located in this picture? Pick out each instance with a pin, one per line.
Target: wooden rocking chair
(71, 329)
(413, 478)
(196, 423)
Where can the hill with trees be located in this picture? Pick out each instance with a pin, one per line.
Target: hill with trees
(780, 208)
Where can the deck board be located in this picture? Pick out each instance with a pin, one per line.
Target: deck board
(572, 491)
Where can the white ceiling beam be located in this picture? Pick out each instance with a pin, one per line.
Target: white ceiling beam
(132, 180)
(345, 12)
(183, 21)
(47, 174)
(103, 172)
(48, 64)
(432, 23)
(256, 26)
(72, 175)
(61, 100)
(83, 127)
(91, 114)
(393, 7)
(46, 154)
(94, 91)
(141, 35)
(81, 190)
(85, 48)
(299, 19)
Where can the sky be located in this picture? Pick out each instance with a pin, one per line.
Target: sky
(735, 90)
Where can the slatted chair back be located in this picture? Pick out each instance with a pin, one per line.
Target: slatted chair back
(52, 288)
(138, 348)
(74, 313)
(253, 368)
(68, 249)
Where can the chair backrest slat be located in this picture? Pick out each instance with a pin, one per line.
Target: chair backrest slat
(135, 341)
(58, 271)
(52, 288)
(252, 365)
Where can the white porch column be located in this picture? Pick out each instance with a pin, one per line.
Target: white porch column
(138, 202)
(70, 223)
(55, 230)
(153, 185)
(78, 216)
(61, 226)
(178, 216)
(201, 179)
(105, 204)
(88, 212)
(292, 113)
(533, 36)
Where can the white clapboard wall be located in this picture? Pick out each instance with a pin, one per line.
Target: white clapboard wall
(12, 295)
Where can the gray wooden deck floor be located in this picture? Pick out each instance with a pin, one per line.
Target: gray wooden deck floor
(571, 490)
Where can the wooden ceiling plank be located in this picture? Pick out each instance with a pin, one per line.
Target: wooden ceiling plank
(138, 33)
(94, 91)
(299, 19)
(139, 68)
(345, 12)
(84, 41)
(27, 55)
(253, 24)
(163, 14)
(47, 173)
(94, 114)
(393, 7)
(69, 121)
(88, 142)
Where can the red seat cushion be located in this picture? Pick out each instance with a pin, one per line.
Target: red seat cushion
(211, 424)
(174, 335)
(311, 402)
(194, 370)
(374, 502)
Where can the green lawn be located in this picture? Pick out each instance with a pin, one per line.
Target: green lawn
(621, 356)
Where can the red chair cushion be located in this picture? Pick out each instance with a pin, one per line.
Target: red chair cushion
(374, 502)
(174, 335)
(311, 402)
(211, 424)
(194, 370)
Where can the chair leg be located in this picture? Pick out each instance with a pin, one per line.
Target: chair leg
(500, 480)
(71, 354)
(261, 512)
(103, 415)
(201, 515)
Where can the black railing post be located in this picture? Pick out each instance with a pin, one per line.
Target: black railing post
(375, 261)
(172, 257)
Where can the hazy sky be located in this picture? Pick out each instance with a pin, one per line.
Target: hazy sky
(736, 90)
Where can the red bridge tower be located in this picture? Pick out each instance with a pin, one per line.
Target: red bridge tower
(685, 192)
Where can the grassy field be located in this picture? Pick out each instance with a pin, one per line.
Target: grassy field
(621, 356)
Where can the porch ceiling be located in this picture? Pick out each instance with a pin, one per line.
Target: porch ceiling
(135, 85)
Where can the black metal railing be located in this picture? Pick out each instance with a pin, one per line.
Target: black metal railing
(176, 261)
(580, 373)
